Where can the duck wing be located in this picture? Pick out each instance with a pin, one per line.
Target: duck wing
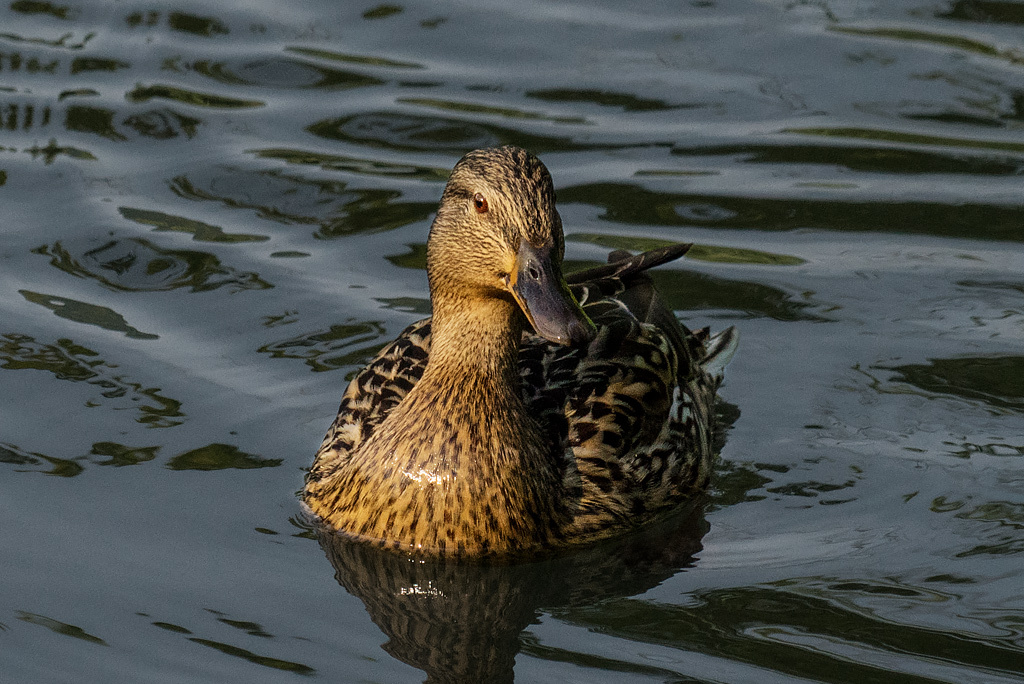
(371, 395)
(633, 411)
(624, 279)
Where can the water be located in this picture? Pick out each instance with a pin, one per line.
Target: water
(212, 215)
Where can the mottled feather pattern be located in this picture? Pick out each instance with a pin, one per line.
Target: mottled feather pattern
(523, 415)
(372, 393)
(617, 412)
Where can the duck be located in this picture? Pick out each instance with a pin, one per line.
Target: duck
(532, 411)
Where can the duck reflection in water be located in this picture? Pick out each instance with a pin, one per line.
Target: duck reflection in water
(533, 418)
(461, 622)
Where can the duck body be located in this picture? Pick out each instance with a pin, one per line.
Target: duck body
(527, 413)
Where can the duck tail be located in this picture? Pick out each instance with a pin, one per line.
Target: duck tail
(621, 264)
(720, 350)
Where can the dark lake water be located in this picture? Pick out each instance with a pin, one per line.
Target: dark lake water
(212, 213)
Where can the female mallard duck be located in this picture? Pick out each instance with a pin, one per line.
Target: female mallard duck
(471, 435)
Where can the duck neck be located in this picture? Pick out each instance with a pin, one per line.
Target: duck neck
(475, 345)
(459, 463)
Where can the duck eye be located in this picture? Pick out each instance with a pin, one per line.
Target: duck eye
(480, 202)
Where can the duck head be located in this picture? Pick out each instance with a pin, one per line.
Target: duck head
(497, 234)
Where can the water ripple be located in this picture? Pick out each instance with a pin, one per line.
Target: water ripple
(992, 380)
(138, 265)
(190, 97)
(84, 312)
(201, 232)
(67, 360)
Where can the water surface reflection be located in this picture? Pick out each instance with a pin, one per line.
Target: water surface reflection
(462, 622)
(209, 217)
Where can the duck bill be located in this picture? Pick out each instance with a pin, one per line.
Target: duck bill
(540, 290)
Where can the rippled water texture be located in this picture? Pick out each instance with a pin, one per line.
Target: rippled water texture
(213, 213)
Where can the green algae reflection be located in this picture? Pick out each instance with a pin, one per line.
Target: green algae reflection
(83, 312)
(220, 457)
(363, 60)
(882, 135)
(138, 265)
(58, 627)
(999, 524)
(201, 232)
(113, 454)
(358, 165)
(804, 628)
(190, 97)
(994, 381)
(25, 461)
(159, 123)
(279, 72)
(634, 204)
(53, 151)
(37, 7)
(331, 205)
(265, 661)
(119, 455)
(868, 158)
(193, 24)
(944, 40)
(989, 11)
(249, 628)
(346, 344)
(413, 133)
(67, 360)
(604, 98)
(474, 108)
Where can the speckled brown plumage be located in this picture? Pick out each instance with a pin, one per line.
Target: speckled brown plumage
(470, 435)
